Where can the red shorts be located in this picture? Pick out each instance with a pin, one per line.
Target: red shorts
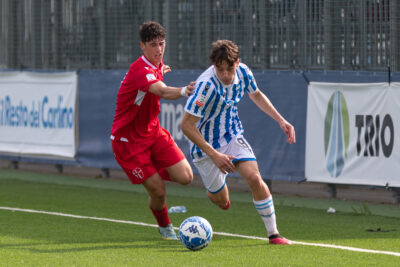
(161, 154)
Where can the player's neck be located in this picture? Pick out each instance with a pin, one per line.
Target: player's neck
(156, 64)
(227, 85)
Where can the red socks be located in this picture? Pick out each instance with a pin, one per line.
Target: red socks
(161, 216)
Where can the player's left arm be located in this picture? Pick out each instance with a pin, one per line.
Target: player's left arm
(171, 93)
(263, 103)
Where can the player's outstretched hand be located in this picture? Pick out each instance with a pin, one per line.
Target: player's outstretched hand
(223, 162)
(190, 88)
(288, 129)
(166, 69)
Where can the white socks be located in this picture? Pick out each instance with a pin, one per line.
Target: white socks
(267, 212)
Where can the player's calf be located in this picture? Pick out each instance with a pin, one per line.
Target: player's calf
(222, 203)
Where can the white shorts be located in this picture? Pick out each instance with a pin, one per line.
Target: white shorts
(213, 178)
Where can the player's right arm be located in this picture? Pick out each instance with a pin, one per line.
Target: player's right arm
(168, 92)
(222, 161)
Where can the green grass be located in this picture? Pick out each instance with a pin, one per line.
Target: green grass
(28, 239)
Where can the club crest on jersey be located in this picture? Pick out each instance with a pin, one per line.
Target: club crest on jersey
(138, 173)
(200, 102)
(206, 88)
(150, 77)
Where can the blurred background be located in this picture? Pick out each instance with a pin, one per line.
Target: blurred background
(287, 44)
(271, 34)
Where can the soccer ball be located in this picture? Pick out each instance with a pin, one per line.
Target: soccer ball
(195, 233)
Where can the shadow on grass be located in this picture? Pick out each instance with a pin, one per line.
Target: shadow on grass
(44, 247)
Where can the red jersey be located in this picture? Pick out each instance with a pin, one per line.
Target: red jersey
(136, 114)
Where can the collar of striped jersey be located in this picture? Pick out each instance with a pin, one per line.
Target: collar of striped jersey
(149, 63)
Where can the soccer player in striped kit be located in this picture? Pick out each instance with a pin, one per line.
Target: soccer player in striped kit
(146, 151)
(212, 124)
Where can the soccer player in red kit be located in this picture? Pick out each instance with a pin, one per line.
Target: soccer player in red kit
(146, 151)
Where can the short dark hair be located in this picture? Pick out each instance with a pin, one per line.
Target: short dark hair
(224, 50)
(151, 30)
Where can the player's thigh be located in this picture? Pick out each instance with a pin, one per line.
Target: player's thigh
(167, 155)
(248, 169)
(181, 172)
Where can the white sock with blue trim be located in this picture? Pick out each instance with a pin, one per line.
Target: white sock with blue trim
(267, 212)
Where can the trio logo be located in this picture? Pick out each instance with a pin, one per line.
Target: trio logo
(336, 134)
(374, 135)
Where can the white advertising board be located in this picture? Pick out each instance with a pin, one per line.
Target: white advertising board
(38, 114)
(353, 134)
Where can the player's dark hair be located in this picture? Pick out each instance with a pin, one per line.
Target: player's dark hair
(151, 30)
(224, 50)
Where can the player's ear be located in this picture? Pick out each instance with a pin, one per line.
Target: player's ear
(142, 45)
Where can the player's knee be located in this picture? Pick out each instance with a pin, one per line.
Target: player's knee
(254, 179)
(158, 194)
(186, 177)
(186, 181)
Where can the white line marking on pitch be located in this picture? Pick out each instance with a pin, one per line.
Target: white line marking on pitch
(215, 233)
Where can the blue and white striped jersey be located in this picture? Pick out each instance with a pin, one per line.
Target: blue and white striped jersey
(216, 105)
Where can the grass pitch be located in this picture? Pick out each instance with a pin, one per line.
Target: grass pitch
(31, 239)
